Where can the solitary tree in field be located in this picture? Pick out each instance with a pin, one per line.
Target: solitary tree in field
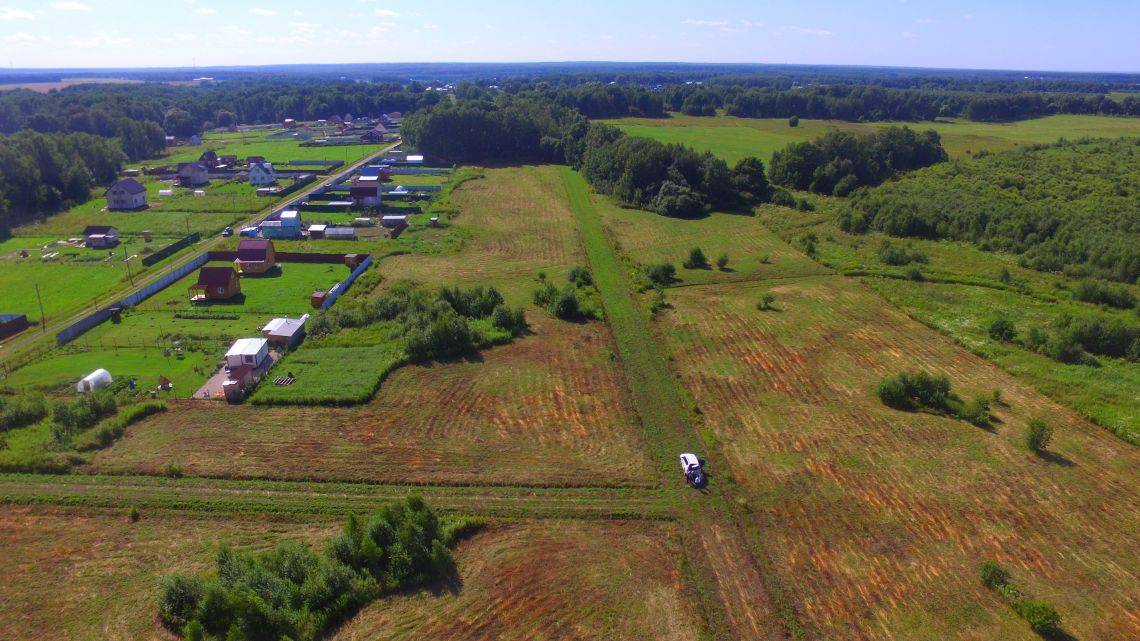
(696, 259)
(722, 262)
(1037, 435)
(766, 302)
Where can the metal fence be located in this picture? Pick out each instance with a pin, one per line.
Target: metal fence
(343, 286)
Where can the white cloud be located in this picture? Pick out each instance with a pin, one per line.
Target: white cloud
(21, 39)
(69, 6)
(924, 21)
(726, 26)
(386, 13)
(264, 13)
(206, 11)
(807, 31)
(7, 13)
(968, 17)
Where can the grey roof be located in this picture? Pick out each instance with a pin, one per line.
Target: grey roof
(129, 185)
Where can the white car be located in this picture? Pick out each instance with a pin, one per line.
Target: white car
(693, 469)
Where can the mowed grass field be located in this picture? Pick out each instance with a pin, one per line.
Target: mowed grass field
(95, 576)
(879, 518)
(287, 289)
(735, 138)
(548, 409)
(552, 581)
(257, 143)
(86, 574)
(64, 287)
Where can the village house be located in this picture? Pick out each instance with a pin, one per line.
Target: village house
(365, 191)
(246, 361)
(125, 195)
(287, 225)
(255, 256)
(193, 174)
(253, 160)
(209, 158)
(372, 136)
(262, 174)
(228, 160)
(215, 283)
(100, 236)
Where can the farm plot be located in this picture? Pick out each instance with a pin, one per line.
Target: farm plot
(752, 250)
(879, 518)
(286, 289)
(78, 574)
(514, 222)
(559, 580)
(64, 286)
(274, 151)
(547, 409)
(735, 138)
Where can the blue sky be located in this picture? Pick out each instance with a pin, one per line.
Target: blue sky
(1092, 35)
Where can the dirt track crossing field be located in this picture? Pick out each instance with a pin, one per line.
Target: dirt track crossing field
(879, 518)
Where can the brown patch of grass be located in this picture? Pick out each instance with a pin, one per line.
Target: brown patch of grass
(548, 409)
(878, 518)
(86, 574)
(554, 580)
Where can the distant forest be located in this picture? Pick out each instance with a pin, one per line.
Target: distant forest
(48, 149)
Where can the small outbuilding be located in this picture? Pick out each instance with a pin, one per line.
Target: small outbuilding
(394, 221)
(285, 332)
(96, 380)
(317, 231)
(100, 237)
(209, 158)
(287, 225)
(215, 283)
(340, 233)
(125, 195)
(255, 256)
(247, 352)
(365, 191)
(12, 324)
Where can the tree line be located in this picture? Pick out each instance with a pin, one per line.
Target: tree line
(839, 162)
(44, 173)
(1071, 207)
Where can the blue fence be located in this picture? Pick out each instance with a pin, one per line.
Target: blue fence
(166, 280)
(343, 285)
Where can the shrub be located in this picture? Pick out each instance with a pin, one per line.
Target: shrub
(993, 574)
(915, 274)
(893, 392)
(179, 598)
(808, 243)
(1037, 435)
(566, 306)
(21, 410)
(1004, 276)
(446, 335)
(580, 276)
(173, 470)
(1102, 293)
(661, 274)
(766, 302)
(1002, 329)
(678, 200)
(892, 254)
(722, 262)
(133, 514)
(511, 321)
(696, 259)
(1041, 616)
(794, 121)
(976, 411)
(546, 295)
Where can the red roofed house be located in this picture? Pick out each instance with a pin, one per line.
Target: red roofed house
(126, 194)
(255, 256)
(215, 283)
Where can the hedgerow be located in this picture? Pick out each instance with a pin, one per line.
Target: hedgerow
(1041, 616)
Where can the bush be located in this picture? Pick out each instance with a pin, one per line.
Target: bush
(511, 321)
(893, 392)
(21, 410)
(661, 274)
(696, 259)
(794, 121)
(1002, 329)
(566, 306)
(993, 574)
(722, 262)
(133, 514)
(446, 335)
(678, 201)
(179, 598)
(892, 254)
(580, 276)
(766, 302)
(1040, 616)
(977, 411)
(1037, 435)
(915, 274)
(173, 470)
(1102, 293)
(923, 390)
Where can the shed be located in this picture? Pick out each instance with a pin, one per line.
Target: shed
(193, 174)
(317, 231)
(12, 324)
(215, 283)
(126, 194)
(340, 233)
(414, 159)
(285, 332)
(100, 236)
(98, 379)
(247, 352)
(255, 256)
(394, 221)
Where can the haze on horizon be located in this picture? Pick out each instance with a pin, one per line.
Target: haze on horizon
(1097, 35)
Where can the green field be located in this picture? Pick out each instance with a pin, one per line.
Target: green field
(248, 144)
(64, 286)
(734, 138)
(285, 290)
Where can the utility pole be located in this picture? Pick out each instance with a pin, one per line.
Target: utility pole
(127, 260)
(43, 321)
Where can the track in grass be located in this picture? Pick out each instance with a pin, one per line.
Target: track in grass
(878, 517)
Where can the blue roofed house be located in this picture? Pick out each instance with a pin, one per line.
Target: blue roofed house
(287, 225)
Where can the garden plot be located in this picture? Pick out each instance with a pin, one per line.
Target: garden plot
(287, 289)
(879, 518)
(547, 409)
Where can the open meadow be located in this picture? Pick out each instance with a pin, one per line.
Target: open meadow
(734, 138)
(876, 517)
